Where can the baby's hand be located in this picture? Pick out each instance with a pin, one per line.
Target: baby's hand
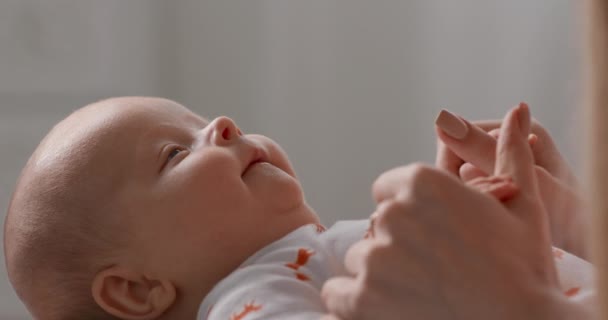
(499, 187)
(468, 151)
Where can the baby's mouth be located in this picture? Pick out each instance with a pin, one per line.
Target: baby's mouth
(259, 156)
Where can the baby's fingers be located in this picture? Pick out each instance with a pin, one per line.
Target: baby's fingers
(501, 188)
(470, 172)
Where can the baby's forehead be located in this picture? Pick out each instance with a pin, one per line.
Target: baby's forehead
(135, 113)
(113, 124)
(162, 120)
(135, 109)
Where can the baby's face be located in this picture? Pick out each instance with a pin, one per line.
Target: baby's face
(201, 196)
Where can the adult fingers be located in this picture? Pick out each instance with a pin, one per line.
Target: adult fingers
(460, 141)
(401, 179)
(468, 171)
(340, 297)
(514, 158)
(465, 143)
(544, 149)
(354, 260)
(388, 183)
(446, 158)
(532, 138)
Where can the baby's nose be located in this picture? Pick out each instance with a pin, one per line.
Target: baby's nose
(224, 131)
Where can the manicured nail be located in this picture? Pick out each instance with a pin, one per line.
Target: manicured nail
(452, 125)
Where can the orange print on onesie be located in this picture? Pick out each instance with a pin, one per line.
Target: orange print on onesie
(572, 292)
(247, 309)
(301, 260)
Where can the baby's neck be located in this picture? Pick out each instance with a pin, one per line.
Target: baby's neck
(186, 310)
(193, 291)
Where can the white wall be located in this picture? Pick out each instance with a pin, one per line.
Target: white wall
(348, 87)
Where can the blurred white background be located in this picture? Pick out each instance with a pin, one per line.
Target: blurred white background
(348, 87)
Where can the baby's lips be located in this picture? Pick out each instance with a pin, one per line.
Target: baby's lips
(258, 155)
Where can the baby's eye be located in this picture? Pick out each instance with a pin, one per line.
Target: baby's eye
(174, 153)
(170, 152)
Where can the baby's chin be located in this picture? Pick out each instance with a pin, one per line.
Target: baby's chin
(284, 223)
(273, 188)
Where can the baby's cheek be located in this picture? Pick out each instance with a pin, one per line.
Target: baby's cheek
(209, 186)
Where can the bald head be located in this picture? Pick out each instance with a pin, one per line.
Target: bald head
(64, 221)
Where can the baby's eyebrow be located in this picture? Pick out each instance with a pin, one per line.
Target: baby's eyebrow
(163, 130)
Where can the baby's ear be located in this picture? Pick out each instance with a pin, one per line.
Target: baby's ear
(129, 295)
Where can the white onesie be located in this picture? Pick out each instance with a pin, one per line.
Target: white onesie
(284, 279)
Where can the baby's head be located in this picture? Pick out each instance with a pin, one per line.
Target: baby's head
(136, 207)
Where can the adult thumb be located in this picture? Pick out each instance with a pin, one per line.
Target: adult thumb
(514, 158)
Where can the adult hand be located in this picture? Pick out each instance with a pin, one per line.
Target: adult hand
(444, 250)
(468, 150)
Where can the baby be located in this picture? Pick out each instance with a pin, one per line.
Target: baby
(136, 208)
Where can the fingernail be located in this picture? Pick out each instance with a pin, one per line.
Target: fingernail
(451, 125)
(523, 117)
(532, 139)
